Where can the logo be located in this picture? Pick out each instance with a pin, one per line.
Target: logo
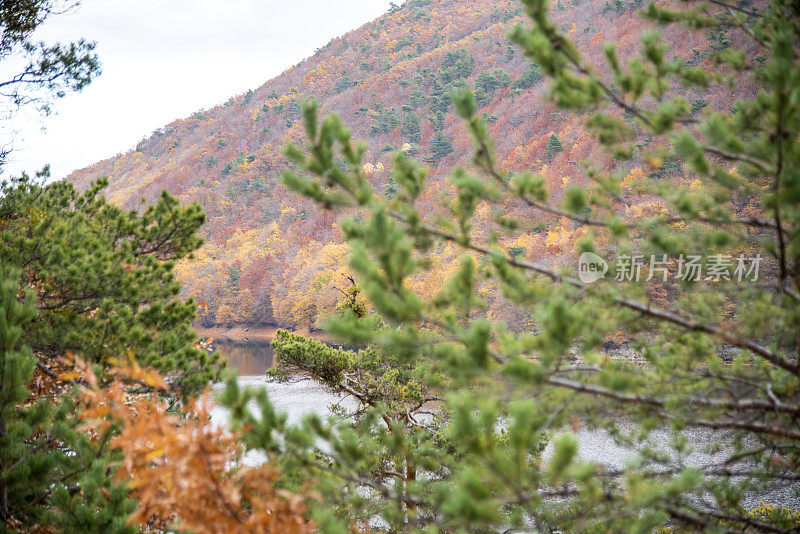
(591, 267)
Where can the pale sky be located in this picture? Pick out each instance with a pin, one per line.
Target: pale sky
(163, 60)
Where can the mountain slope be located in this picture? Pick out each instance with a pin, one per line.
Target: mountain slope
(271, 258)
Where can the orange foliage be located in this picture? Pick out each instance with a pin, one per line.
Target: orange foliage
(183, 470)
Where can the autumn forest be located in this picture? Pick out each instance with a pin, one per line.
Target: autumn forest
(272, 260)
(519, 266)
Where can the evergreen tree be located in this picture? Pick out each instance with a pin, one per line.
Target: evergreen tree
(50, 472)
(716, 362)
(457, 64)
(487, 83)
(104, 276)
(99, 281)
(529, 77)
(439, 97)
(343, 83)
(17, 368)
(554, 146)
(437, 121)
(386, 121)
(440, 147)
(391, 188)
(416, 98)
(410, 126)
(78, 277)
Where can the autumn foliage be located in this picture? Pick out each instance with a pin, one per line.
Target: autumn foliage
(186, 473)
(390, 81)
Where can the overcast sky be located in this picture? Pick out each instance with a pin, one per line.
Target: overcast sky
(164, 59)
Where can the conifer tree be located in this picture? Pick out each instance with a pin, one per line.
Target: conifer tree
(715, 368)
(410, 126)
(78, 276)
(440, 148)
(50, 471)
(393, 411)
(81, 277)
(104, 276)
(554, 145)
(527, 79)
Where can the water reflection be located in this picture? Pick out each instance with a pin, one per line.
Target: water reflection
(249, 359)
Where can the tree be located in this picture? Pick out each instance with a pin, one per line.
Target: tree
(104, 276)
(440, 147)
(529, 77)
(392, 411)
(386, 121)
(100, 283)
(41, 72)
(182, 470)
(43, 455)
(457, 64)
(487, 83)
(554, 145)
(416, 97)
(439, 96)
(722, 360)
(344, 83)
(409, 126)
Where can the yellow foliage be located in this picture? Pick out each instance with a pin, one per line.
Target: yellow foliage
(635, 175)
(766, 511)
(431, 282)
(654, 161)
(311, 289)
(558, 238)
(645, 209)
(524, 240)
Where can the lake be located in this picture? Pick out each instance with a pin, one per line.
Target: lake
(297, 398)
(249, 359)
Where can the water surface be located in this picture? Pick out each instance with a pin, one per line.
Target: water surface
(301, 397)
(249, 359)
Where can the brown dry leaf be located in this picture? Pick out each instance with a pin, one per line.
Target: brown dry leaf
(181, 468)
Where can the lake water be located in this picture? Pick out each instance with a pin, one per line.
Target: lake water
(300, 397)
(249, 359)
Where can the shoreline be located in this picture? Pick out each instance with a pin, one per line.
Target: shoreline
(251, 334)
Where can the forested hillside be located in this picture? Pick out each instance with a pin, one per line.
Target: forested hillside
(272, 258)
